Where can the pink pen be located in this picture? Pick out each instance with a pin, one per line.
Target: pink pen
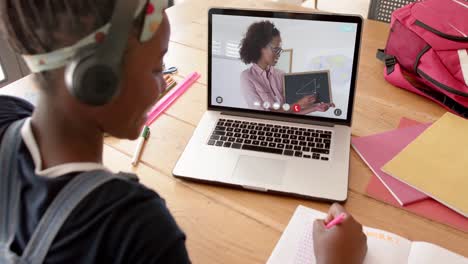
(336, 221)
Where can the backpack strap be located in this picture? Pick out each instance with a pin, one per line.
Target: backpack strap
(57, 213)
(463, 55)
(9, 190)
(389, 60)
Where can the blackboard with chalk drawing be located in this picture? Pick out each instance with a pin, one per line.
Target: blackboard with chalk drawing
(299, 85)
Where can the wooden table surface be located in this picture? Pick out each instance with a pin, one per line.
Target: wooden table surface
(233, 226)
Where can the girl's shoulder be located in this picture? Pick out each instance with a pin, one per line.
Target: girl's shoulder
(11, 110)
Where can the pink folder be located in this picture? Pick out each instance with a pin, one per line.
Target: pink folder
(428, 208)
(406, 122)
(377, 150)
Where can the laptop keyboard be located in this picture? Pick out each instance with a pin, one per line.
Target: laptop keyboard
(275, 139)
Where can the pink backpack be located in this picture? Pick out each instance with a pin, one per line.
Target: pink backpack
(426, 52)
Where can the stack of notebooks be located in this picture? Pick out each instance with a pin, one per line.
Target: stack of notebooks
(422, 168)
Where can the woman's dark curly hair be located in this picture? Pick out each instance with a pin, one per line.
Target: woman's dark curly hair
(258, 36)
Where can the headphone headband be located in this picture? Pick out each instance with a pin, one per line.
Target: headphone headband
(112, 50)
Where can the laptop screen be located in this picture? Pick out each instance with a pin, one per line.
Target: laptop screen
(284, 65)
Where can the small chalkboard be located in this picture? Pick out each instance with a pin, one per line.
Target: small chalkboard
(298, 85)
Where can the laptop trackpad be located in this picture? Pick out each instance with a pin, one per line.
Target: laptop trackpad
(259, 171)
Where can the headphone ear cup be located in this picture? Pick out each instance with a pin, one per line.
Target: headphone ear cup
(91, 82)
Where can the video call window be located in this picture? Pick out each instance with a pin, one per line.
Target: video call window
(283, 65)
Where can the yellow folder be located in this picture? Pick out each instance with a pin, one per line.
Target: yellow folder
(436, 163)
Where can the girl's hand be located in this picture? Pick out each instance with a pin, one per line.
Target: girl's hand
(343, 243)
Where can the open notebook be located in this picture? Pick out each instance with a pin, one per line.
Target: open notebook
(296, 245)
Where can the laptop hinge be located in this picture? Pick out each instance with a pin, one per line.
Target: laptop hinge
(279, 118)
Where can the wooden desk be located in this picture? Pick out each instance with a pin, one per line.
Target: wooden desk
(232, 226)
(379, 106)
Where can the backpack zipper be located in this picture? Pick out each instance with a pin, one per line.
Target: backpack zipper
(439, 33)
(441, 85)
(430, 79)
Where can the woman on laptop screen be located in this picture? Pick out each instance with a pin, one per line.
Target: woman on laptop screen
(262, 84)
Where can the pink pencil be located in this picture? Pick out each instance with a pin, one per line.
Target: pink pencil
(171, 97)
(336, 221)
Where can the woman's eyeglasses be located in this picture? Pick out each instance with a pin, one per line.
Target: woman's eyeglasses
(276, 50)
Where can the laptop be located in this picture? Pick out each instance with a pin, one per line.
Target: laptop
(281, 89)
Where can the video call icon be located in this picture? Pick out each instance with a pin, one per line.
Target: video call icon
(219, 100)
(257, 104)
(297, 108)
(276, 106)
